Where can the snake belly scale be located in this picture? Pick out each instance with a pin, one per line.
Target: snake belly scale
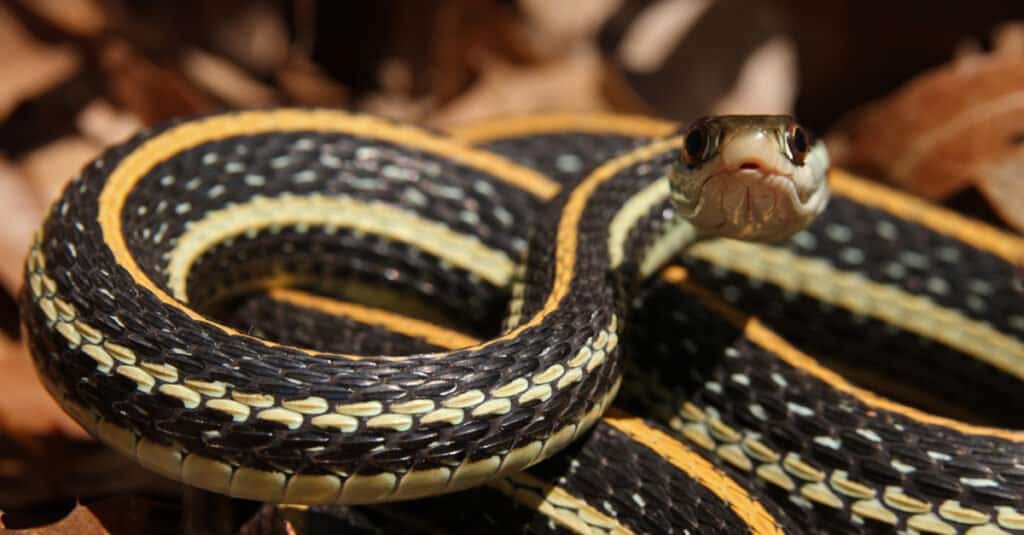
(117, 341)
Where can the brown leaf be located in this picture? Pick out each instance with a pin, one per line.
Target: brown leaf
(936, 133)
(154, 94)
(226, 80)
(26, 409)
(80, 521)
(569, 83)
(29, 67)
(105, 125)
(49, 168)
(255, 36)
(304, 83)
(120, 515)
(22, 214)
(1002, 183)
(82, 18)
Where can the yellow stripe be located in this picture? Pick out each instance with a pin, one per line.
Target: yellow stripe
(560, 506)
(766, 338)
(461, 250)
(565, 252)
(746, 507)
(552, 500)
(946, 222)
(858, 294)
(135, 165)
(431, 333)
(636, 207)
(596, 123)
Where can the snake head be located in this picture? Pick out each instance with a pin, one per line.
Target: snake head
(750, 177)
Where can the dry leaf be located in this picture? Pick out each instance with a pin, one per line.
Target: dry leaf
(120, 515)
(50, 167)
(82, 18)
(22, 214)
(29, 67)
(255, 35)
(766, 83)
(26, 409)
(569, 83)
(150, 92)
(80, 521)
(1002, 183)
(304, 83)
(942, 129)
(105, 125)
(225, 80)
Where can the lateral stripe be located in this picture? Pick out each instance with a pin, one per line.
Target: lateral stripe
(764, 337)
(431, 333)
(742, 503)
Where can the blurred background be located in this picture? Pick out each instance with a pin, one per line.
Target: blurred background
(942, 82)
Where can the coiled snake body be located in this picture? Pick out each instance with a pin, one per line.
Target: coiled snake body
(201, 211)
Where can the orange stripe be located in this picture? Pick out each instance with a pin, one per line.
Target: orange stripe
(766, 338)
(431, 333)
(946, 222)
(597, 123)
(943, 221)
(711, 478)
(135, 165)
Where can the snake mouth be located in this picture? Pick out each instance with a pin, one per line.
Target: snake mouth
(748, 201)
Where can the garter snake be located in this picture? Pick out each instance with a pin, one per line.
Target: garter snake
(209, 470)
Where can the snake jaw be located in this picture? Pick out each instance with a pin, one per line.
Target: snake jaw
(750, 188)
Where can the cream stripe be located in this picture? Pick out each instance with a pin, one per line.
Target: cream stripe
(632, 210)
(681, 235)
(124, 177)
(556, 503)
(758, 519)
(861, 295)
(771, 341)
(462, 250)
(430, 332)
(947, 222)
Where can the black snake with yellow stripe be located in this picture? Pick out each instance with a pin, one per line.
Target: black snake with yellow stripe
(287, 424)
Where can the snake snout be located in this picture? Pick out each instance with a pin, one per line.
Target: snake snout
(746, 181)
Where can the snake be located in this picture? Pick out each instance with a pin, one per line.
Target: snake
(185, 394)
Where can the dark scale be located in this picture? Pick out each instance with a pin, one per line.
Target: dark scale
(218, 174)
(342, 264)
(565, 156)
(284, 372)
(872, 446)
(902, 365)
(890, 250)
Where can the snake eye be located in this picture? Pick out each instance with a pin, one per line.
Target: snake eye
(799, 143)
(697, 144)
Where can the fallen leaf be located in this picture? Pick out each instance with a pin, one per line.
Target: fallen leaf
(943, 129)
(153, 93)
(225, 80)
(104, 124)
(255, 36)
(23, 212)
(29, 67)
(82, 18)
(80, 521)
(1002, 184)
(305, 83)
(569, 83)
(49, 168)
(26, 408)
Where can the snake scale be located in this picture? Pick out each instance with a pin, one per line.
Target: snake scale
(176, 229)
